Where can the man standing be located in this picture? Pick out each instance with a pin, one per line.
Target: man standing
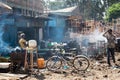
(22, 41)
(23, 45)
(110, 46)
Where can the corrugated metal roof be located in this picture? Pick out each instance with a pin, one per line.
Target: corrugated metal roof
(5, 6)
(70, 9)
(63, 12)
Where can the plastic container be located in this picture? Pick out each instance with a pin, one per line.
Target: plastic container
(32, 43)
(40, 63)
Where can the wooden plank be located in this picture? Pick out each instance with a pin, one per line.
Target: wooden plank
(9, 76)
(4, 65)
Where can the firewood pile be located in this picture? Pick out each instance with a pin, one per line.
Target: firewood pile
(17, 61)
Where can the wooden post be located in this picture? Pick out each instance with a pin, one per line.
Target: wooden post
(25, 62)
(31, 61)
(26, 65)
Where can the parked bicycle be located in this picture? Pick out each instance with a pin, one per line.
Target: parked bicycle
(59, 59)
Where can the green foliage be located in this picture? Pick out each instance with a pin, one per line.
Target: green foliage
(113, 11)
(111, 2)
(89, 9)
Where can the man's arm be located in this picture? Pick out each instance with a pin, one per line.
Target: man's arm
(105, 34)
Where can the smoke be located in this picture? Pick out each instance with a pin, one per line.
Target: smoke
(4, 47)
(56, 28)
(93, 37)
(97, 36)
(59, 34)
(2, 43)
(56, 34)
(91, 44)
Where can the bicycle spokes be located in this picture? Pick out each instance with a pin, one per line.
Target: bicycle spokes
(81, 63)
(53, 63)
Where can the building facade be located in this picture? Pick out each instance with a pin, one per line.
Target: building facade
(26, 7)
(26, 16)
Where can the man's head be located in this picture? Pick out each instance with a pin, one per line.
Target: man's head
(110, 31)
(22, 35)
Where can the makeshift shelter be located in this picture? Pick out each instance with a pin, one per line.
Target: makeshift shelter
(59, 24)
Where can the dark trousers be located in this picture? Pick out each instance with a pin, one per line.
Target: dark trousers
(110, 53)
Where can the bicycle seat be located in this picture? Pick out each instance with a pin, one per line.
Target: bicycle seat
(73, 49)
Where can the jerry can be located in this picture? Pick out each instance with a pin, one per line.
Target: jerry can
(41, 62)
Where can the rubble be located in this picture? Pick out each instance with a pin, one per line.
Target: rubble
(98, 70)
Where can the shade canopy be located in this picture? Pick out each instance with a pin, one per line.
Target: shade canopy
(5, 6)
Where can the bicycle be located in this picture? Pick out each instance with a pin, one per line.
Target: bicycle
(77, 62)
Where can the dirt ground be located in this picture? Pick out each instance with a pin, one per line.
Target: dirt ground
(98, 70)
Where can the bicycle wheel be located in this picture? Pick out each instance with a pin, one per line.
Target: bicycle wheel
(81, 63)
(54, 63)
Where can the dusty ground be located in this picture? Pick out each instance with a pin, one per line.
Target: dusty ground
(98, 70)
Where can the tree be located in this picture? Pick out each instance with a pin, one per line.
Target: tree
(111, 2)
(89, 9)
(113, 11)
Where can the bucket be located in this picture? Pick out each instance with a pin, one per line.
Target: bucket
(32, 43)
(40, 62)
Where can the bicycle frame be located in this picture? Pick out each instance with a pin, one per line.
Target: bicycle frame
(79, 62)
(64, 58)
